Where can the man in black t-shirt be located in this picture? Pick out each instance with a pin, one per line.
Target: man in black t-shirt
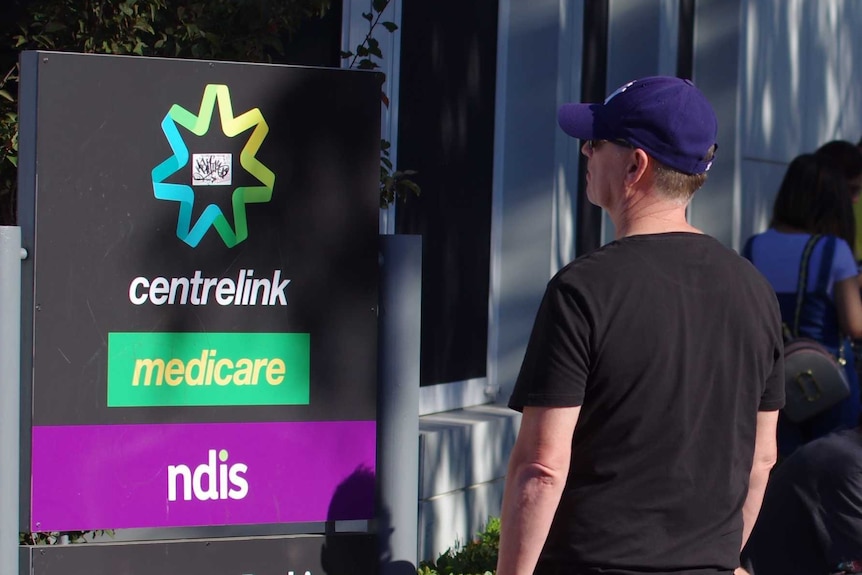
(652, 381)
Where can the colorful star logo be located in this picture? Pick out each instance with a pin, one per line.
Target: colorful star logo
(185, 195)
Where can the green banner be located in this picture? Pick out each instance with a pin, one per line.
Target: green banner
(178, 369)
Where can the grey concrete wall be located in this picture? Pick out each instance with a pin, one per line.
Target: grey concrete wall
(463, 457)
(525, 171)
(799, 88)
(716, 72)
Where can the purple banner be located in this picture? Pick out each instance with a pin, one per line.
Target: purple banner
(169, 475)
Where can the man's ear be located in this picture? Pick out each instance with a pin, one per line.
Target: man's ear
(637, 166)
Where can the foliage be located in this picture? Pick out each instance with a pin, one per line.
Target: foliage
(239, 30)
(477, 557)
(393, 184)
(8, 147)
(55, 537)
(243, 30)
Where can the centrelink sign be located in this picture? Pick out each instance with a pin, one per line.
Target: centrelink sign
(203, 290)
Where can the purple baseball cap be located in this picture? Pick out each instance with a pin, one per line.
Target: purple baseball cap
(667, 117)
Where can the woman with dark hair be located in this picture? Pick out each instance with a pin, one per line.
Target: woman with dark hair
(813, 200)
(847, 159)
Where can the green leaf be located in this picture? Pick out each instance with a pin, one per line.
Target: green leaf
(410, 185)
(144, 26)
(391, 26)
(379, 5)
(368, 16)
(13, 160)
(346, 54)
(54, 26)
(6, 95)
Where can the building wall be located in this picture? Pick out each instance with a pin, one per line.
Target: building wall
(797, 91)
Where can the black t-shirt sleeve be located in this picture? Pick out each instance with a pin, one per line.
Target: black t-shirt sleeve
(557, 362)
(773, 394)
(773, 397)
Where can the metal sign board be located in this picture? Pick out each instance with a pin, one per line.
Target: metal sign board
(203, 241)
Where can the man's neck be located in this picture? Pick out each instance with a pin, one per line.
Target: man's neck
(650, 216)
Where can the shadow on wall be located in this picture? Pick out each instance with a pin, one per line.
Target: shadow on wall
(344, 555)
(801, 58)
(799, 91)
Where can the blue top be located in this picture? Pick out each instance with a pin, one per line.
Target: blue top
(777, 255)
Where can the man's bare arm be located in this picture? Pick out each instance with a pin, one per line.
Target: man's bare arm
(765, 456)
(535, 479)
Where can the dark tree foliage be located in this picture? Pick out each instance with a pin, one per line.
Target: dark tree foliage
(238, 30)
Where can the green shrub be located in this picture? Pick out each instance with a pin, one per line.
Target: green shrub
(476, 557)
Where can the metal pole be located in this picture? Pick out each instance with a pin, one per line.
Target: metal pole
(11, 254)
(398, 403)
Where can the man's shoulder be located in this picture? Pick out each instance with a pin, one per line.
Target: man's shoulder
(622, 255)
(668, 259)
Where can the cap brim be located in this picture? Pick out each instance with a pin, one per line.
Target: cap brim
(579, 120)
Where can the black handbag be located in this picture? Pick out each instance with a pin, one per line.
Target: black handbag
(814, 380)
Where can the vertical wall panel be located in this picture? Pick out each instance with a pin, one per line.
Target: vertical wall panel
(715, 208)
(526, 161)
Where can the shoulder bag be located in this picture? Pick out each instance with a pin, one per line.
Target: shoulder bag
(814, 380)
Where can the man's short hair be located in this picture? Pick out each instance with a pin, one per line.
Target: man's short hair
(675, 185)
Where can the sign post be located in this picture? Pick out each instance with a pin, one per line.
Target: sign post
(11, 255)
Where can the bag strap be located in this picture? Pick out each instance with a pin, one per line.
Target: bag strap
(748, 248)
(822, 282)
(803, 281)
(825, 273)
